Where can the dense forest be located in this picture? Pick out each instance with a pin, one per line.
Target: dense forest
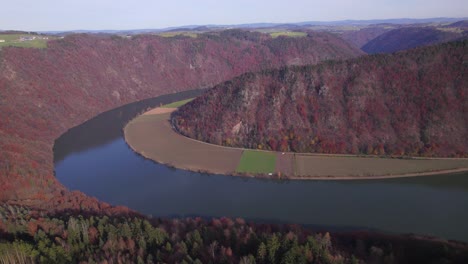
(28, 236)
(44, 92)
(409, 103)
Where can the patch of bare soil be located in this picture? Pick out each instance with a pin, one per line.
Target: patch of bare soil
(153, 137)
(285, 164)
(373, 167)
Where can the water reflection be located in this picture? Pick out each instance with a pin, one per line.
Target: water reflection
(456, 182)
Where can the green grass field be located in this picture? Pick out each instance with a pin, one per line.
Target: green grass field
(13, 40)
(257, 162)
(288, 34)
(454, 30)
(177, 104)
(178, 33)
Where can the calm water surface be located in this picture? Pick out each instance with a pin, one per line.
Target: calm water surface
(95, 159)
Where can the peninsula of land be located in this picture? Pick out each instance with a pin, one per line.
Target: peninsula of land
(152, 135)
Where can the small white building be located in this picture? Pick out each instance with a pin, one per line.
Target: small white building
(27, 38)
(2, 40)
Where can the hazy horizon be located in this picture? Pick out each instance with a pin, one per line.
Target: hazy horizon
(221, 25)
(55, 15)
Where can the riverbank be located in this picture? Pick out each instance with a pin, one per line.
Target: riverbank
(152, 136)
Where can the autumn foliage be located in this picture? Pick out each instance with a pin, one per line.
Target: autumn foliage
(410, 103)
(44, 92)
(28, 236)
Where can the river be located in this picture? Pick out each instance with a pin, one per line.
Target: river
(94, 158)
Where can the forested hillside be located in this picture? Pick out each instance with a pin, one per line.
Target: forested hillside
(409, 103)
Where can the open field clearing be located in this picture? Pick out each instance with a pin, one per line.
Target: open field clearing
(178, 33)
(288, 34)
(177, 104)
(257, 162)
(23, 40)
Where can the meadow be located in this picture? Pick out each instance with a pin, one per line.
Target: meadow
(177, 104)
(14, 40)
(288, 34)
(259, 162)
(178, 33)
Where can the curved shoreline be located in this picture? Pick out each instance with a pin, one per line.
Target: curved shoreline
(176, 150)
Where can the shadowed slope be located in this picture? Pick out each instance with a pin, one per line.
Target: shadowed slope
(411, 37)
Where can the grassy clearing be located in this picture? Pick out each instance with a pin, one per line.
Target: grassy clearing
(454, 30)
(288, 34)
(14, 40)
(257, 162)
(177, 104)
(174, 34)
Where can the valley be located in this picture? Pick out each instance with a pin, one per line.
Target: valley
(297, 111)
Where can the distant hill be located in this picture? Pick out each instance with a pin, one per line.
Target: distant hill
(460, 24)
(210, 27)
(361, 37)
(411, 37)
(408, 103)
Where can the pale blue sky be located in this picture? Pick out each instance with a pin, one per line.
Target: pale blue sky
(119, 14)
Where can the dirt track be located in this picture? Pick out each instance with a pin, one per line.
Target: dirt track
(152, 136)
